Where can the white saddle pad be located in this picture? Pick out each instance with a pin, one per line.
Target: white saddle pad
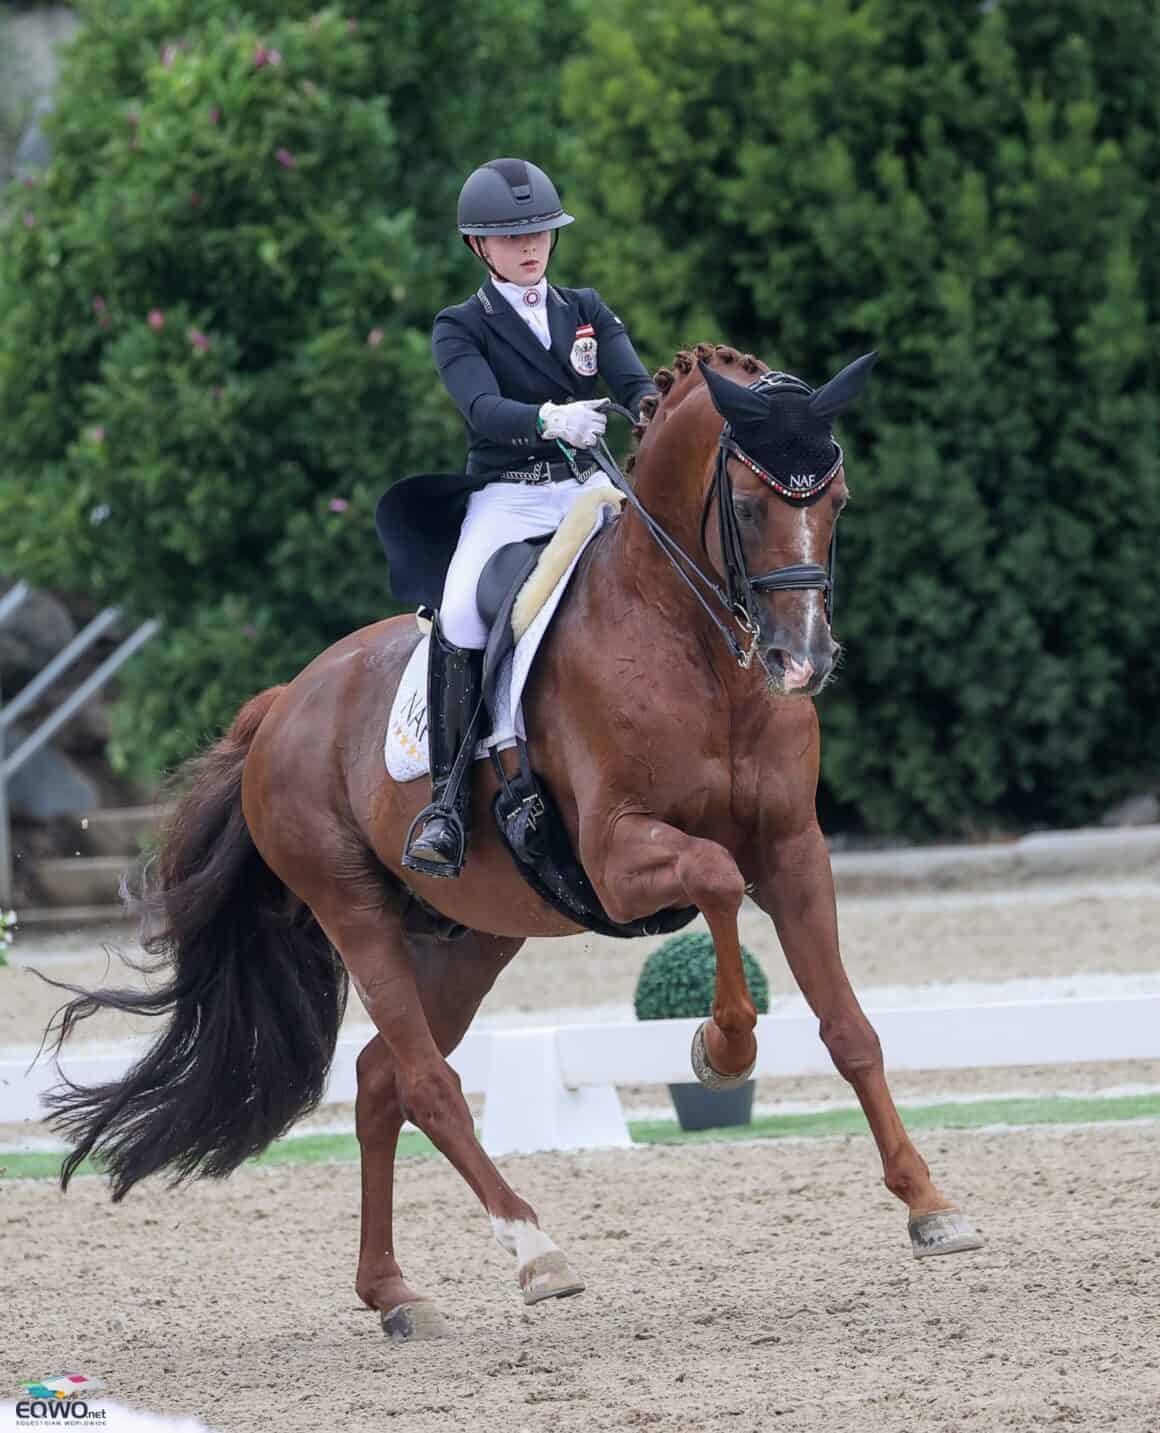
(406, 745)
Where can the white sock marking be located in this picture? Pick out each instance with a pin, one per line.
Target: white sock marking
(526, 1241)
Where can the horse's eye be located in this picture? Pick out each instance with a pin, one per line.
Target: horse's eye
(747, 512)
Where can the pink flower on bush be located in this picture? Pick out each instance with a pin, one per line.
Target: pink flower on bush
(195, 200)
(375, 337)
(29, 182)
(249, 631)
(217, 393)
(97, 435)
(285, 158)
(352, 26)
(274, 57)
(156, 320)
(215, 114)
(199, 340)
(262, 56)
(29, 219)
(99, 304)
(338, 504)
(168, 55)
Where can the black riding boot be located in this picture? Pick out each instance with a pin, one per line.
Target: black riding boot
(437, 841)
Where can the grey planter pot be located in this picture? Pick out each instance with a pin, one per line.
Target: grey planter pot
(699, 1108)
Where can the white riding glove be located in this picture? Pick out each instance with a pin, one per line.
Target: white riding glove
(579, 424)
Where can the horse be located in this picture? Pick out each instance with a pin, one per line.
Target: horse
(670, 717)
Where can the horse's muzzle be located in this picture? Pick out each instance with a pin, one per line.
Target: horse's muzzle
(798, 674)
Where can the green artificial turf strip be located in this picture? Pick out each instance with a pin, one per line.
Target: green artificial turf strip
(1047, 1109)
(1032, 1110)
(305, 1149)
(319, 1148)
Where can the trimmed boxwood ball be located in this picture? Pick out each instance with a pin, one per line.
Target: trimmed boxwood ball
(678, 979)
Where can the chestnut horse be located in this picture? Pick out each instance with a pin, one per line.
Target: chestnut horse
(685, 771)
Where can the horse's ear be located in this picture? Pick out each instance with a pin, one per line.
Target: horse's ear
(735, 403)
(843, 388)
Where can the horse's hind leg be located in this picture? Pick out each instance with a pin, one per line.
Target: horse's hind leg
(452, 978)
(379, 1282)
(798, 892)
(368, 934)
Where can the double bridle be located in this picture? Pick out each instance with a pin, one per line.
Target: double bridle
(737, 596)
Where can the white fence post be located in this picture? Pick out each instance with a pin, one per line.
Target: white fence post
(527, 1106)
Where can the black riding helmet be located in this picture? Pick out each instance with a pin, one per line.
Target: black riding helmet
(508, 196)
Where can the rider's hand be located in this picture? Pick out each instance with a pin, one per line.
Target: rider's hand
(579, 424)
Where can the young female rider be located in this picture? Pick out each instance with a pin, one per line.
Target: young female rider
(521, 359)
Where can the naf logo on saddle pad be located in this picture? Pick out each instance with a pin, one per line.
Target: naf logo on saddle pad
(584, 350)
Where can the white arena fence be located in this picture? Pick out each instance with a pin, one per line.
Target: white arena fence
(554, 1087)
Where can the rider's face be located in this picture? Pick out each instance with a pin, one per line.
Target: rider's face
(519, 258)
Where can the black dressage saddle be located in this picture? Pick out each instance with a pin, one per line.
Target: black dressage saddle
(528, 821)
(500, 583)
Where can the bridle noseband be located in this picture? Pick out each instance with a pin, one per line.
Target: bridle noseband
(737, 597)
(798, 576)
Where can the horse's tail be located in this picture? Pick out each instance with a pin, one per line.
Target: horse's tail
(255, 995)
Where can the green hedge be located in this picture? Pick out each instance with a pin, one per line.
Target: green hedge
(215, 328)
(970, 189)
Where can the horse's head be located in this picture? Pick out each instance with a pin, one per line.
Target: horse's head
(779, 486)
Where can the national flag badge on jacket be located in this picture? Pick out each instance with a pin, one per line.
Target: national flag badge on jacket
(584, 350)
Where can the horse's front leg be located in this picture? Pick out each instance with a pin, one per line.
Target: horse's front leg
(643, 865)
(797, 890)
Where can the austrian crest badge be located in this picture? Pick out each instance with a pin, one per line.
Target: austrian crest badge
(584, 350)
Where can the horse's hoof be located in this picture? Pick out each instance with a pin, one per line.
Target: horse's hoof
(406, 1323)
(549, 1276)
(946, 1231)
(705, 1072)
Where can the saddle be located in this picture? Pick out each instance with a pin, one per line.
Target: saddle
(499, 586)
(524, 812)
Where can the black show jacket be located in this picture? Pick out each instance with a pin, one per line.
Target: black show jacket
(498, 374)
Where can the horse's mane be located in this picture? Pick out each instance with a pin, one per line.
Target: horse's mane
(673, 382)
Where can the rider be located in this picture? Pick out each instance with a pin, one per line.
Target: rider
(520, 359)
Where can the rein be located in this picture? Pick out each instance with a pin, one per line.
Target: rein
(736, 597)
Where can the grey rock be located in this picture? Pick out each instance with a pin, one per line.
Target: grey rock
(1142, 810)
(49, 785)
(87, 730)
(32, 636)
(34, 152)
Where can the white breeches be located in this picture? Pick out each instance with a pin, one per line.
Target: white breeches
(498, 514)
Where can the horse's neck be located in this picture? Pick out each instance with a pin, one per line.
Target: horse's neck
(670, 481)
(632, 602)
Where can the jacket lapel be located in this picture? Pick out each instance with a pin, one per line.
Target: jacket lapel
(504, 319)
(563, 318)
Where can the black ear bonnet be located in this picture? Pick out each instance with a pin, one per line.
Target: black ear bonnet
(783, 424)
